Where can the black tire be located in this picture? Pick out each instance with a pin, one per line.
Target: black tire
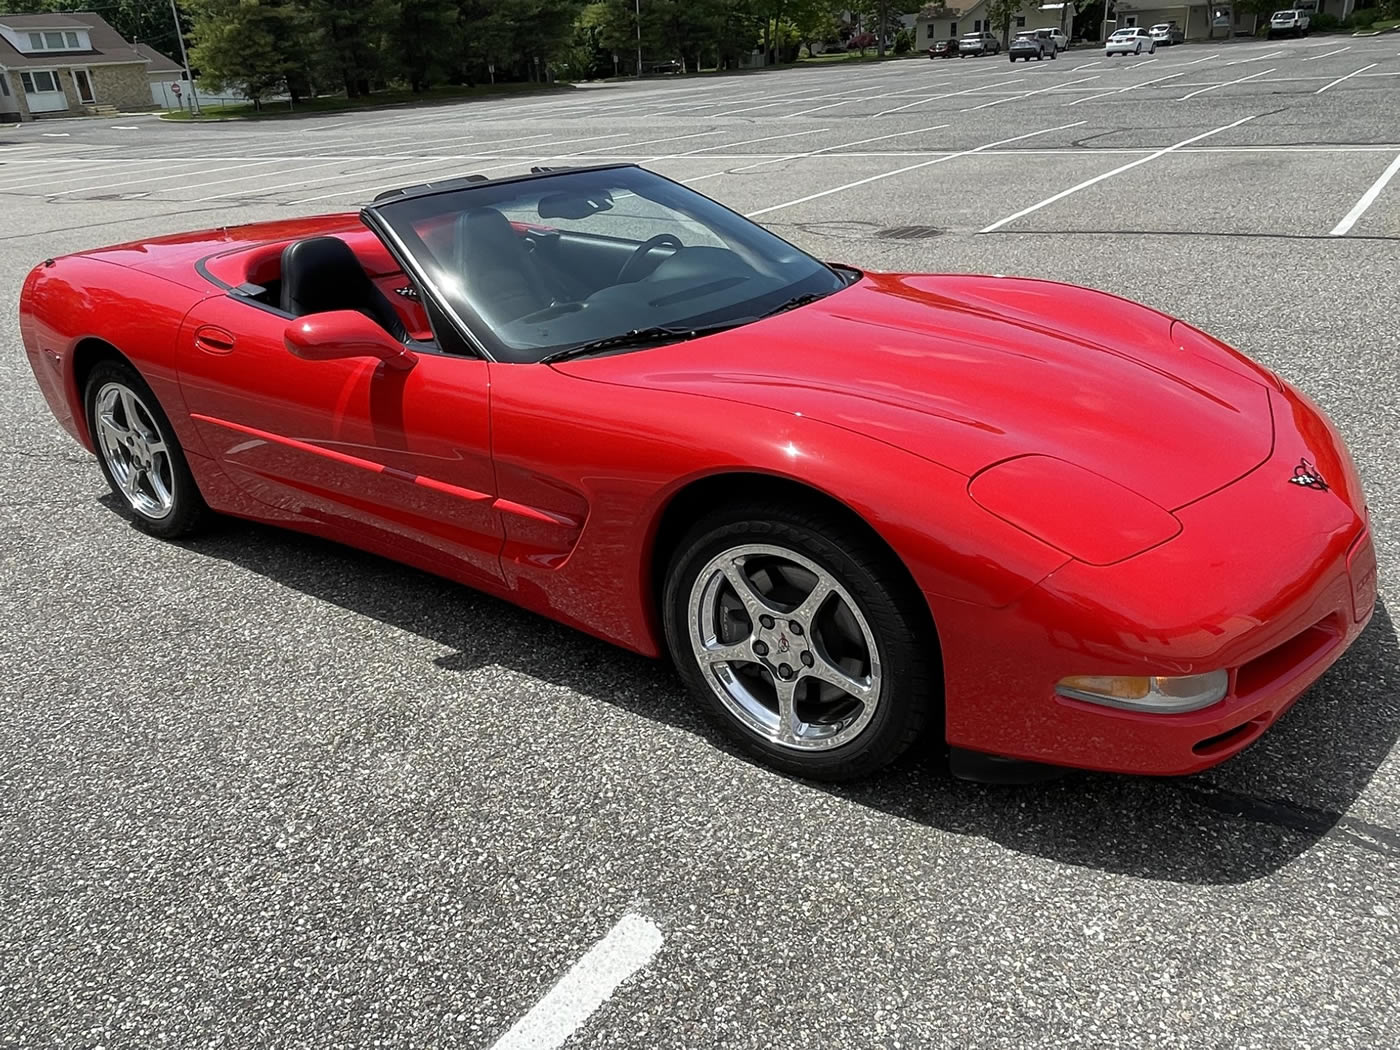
(187, 512)
(1039, 56)
(909, 693)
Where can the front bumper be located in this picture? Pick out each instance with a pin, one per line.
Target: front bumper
(1268, 578)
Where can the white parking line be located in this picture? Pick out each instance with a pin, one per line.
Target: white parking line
(932, 98)
(1241, 80)
(1367, 199)
(911, 167)
(1347, 77)
(1329, 54)
(1028, 94)
(1130, 87)
(371, 175)
(628, 947)
(1109, 174)
(625, 145)
(1198, 61)
(740, 142)
(1255, 58)
(813, 153)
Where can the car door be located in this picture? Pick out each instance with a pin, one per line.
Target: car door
(397, 460)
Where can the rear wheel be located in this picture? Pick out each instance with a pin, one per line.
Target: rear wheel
(795, 634)
(139, 454)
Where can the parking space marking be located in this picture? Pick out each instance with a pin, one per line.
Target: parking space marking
(1198, 61)
(628, 947)
(1347, 77)
(932, 98)
(1367, 199)
(1255, 58)
(1241, 80)
(1119, 91)
(1329, 54)
(829, 151)
(1109, 174)
(1028, 94)
(911, 167)
(373, 173)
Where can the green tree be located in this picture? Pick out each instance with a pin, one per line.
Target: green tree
(424, 41)
(258, 47)
(999, 14)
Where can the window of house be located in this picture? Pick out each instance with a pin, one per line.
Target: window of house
(36, 41)
(1020, 23)
(1130, 21)
(39, 80)
(952, 29)
(53, 41)
(72, 40)
(977, 25)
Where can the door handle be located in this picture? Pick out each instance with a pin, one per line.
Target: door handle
(213, 340)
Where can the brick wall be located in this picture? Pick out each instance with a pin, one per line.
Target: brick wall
(124, 86)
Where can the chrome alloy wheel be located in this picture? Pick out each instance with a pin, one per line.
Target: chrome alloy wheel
(784, 647)
(131, 445)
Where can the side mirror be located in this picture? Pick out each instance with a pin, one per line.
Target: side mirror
(345, 333)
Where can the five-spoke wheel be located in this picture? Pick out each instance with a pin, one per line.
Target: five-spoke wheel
(139, 453)
(802, 638)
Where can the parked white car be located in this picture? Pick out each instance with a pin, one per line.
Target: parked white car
(1294, 23)
(1132, 41)
(1167, 33)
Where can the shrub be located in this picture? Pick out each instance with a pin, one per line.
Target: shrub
(1323, 22)
(903, 42)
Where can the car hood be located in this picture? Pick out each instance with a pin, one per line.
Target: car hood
(969, 371)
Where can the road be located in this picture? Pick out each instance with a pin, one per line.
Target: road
(259, 790)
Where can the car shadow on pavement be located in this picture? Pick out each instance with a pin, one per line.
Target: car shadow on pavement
(1240, 821)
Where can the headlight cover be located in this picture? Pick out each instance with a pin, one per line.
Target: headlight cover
(1074, 510)
(1159, 694)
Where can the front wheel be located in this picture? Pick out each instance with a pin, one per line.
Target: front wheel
(800, 640)
(139, 454)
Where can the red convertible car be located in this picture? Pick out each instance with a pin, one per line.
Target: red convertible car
(1039, 523)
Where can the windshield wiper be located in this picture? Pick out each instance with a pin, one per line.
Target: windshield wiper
(657, 335)
(796, 301)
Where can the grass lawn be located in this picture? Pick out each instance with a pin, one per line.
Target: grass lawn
(335, 103)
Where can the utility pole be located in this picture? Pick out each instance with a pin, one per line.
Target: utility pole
(639, 39)
(180, 36)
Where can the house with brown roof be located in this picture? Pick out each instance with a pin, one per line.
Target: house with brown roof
(68, 64)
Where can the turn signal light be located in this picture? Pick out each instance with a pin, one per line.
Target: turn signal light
(1159, 693)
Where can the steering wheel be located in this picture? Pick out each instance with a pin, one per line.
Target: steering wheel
(632, 268)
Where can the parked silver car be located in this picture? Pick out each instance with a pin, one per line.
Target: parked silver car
(1165, 34)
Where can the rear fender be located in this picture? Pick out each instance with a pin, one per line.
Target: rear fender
(66, 304)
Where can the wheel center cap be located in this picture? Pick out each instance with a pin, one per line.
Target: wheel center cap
(782, 648)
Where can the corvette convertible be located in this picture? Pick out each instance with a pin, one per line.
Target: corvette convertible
(1035, 524)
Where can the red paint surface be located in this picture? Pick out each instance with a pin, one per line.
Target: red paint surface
(1137, 516)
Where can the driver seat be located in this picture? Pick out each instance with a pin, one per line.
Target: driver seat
(497, 270)
(321, 274)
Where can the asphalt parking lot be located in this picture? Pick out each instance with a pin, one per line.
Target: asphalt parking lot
(257, 790)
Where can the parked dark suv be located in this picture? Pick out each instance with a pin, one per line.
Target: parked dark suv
(943, 49)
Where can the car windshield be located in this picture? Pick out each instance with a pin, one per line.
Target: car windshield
(537, 267)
